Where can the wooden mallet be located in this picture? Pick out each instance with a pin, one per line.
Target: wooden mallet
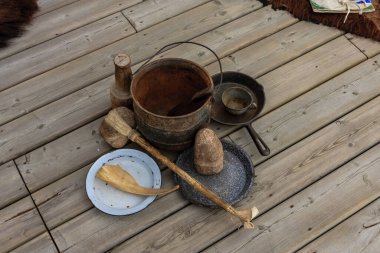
(114, 120)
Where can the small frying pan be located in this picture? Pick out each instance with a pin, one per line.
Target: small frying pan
(219, 113)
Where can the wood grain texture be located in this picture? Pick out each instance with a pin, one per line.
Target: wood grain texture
(150, 12)
(62, 156)
(67, 198)
(104, 231)
(299, 37)
(318, 107)
(321, 142)
(12, 187)
(314, 210)
(40, 164)
(58, 202)
(40, 244)
(369, 47)
(276, 179)
(297, 72)
(54, 119)
(50, 5)
(19, 223)
(77, 74)
(44, 124)
(236, 35)
(278, 89)
(63, 20)
(301, 83)
(359, 233)
(57, 51)
(42, 161)
(16, 101)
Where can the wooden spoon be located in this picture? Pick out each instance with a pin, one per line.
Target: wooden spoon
(246, 215)
(186, 106)
(122, 180)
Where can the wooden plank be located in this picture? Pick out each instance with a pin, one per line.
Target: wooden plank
(150, 12)
(313, 211)
(50, 5)
(278, 89)
(107, 231)
(55, 52)
(62, 156)
(118, 227)
(66, 198)
(40, 244)
(38, 123)
(369, 47)
(56, 202)
(302, 83)
(12, 187)
(343, 149)
(282, 43)
(41, 161)
(44, 124)
(318, 107)
(77, 74)
(305, 36)
(298, 73)
(19, 223)
(359, 233)
(276, 179)
(63, 20)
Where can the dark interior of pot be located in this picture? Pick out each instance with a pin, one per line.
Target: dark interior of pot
(163, 85)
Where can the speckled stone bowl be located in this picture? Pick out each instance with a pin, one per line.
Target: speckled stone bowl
(231, 184)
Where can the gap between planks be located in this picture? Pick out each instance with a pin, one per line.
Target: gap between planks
(78, 42)
(100, 83)
(46, 6)
(25, 167)
(50, 166)
(308, 212)
(39, 91)
(359, 233)
(267, 193)
(38, 211)
(19, 222)
(90, 213)
(60, 21)
(354, 77)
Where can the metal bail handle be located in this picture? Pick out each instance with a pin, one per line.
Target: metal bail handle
(186, 42)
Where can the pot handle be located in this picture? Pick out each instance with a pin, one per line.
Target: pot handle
(260, 144)
(186, 42)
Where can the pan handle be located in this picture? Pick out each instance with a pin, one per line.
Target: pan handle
(260, 144)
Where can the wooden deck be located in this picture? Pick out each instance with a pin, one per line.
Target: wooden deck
(318, 191)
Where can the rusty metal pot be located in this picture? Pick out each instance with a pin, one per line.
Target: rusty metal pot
(160, 86)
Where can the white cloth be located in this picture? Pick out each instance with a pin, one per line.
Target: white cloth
(342, 6)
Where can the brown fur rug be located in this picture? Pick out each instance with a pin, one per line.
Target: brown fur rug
(14, 15)
(367, 25)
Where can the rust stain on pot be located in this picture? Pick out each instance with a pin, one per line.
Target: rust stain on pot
(161, 86)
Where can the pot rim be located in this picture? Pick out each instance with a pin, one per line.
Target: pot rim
(150, 66)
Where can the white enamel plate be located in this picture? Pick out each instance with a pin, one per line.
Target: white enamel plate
(113, 201)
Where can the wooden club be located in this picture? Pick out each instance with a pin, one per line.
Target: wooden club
(114, 120)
